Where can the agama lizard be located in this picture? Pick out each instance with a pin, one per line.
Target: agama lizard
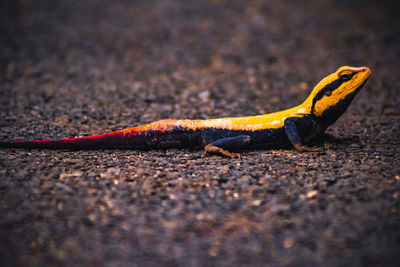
(295, 127)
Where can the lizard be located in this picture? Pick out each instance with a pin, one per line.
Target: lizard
(294, 128)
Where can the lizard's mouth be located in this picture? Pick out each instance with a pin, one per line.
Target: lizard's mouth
(361, 76)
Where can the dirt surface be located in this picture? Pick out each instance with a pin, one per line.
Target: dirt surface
(71, 68)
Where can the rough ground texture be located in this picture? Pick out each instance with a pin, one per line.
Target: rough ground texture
(71, 68)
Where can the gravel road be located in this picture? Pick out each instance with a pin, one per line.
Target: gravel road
(74, 68)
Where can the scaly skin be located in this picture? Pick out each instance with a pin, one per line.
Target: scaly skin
(294, 127)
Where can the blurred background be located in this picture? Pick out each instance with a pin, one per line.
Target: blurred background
(70, 68)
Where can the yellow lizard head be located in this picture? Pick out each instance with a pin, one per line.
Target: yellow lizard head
(333, 94)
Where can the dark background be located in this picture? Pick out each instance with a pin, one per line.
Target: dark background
(71, 68)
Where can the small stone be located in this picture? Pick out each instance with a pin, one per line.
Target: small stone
(288, 242)
(204, 96)
(312, 194)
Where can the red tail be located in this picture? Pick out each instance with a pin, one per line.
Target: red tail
(153, 135)
(110, 140)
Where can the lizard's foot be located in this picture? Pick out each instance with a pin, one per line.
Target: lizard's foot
(302, 148)
(217, 150)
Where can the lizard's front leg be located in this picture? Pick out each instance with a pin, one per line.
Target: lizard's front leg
(292, 126)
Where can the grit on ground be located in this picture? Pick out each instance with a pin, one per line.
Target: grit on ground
(72, 68)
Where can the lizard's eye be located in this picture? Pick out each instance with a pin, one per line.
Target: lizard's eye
(346, 77)
(328, 92)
